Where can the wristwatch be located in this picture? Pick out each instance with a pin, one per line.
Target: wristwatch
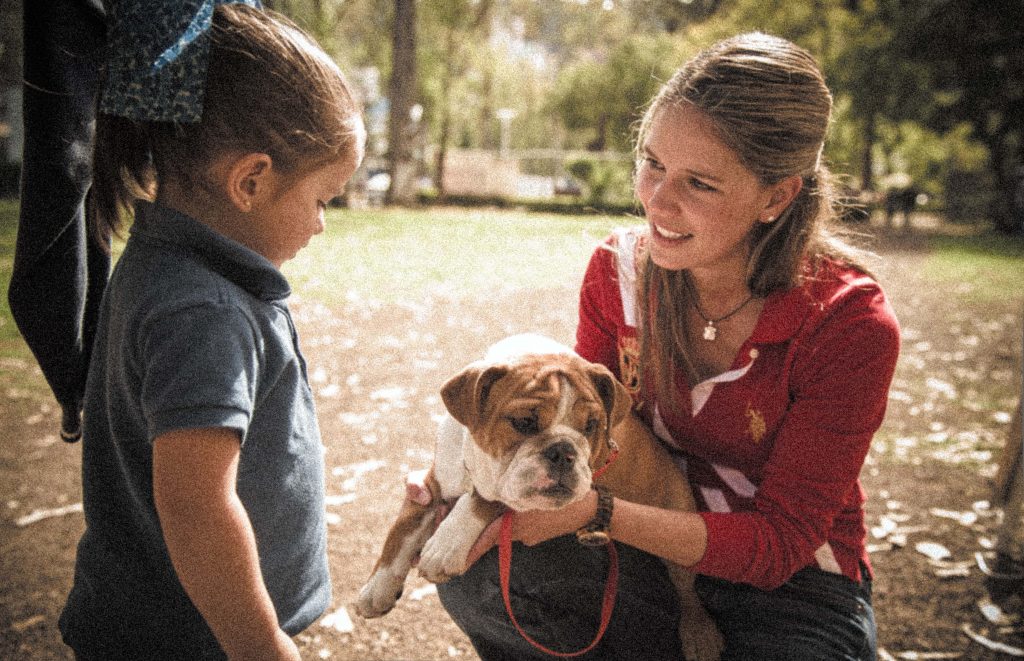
(595, 533)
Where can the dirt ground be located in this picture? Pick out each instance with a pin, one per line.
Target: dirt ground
(376, 370)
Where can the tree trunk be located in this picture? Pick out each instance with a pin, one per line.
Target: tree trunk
(402, 90)
(866, 172)
(446, 112)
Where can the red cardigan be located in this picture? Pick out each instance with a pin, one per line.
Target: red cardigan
(774, 446)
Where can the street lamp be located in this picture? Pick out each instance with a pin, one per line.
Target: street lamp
(505, 116)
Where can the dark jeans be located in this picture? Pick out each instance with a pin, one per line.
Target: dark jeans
(556, 592)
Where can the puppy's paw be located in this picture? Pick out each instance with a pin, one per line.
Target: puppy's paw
(443, 557)
(379, 595)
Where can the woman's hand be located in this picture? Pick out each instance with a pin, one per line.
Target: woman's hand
(537, 526)
(416, 488)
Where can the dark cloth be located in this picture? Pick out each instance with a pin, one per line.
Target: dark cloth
(556, 590)
(156, 69)
(814, 616)
(59, 270)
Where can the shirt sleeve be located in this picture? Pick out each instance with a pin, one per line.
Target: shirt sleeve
(838, 393)
(600, 307)
(199, 370)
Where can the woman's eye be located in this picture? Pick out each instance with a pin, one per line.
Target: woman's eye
(700, 185)
(525, 425)
(653, 164)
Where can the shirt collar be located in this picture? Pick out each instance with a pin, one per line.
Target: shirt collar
(783, 314)
(786, 311)
(237, 263)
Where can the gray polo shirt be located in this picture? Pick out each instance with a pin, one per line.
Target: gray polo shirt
(194, 332)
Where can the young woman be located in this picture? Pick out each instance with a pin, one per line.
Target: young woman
(760, 352)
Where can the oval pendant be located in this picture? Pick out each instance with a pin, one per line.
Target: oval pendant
(710, 332)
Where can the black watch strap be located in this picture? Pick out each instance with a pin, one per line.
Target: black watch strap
(595, 533)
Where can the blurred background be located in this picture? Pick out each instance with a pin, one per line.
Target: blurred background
(533, 103)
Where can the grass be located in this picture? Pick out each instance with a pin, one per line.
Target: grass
(9, 336)
(985, 267)
(397, 255)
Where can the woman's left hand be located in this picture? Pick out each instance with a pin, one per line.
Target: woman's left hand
(537, 526)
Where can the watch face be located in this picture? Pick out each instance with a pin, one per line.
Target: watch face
(592, 537)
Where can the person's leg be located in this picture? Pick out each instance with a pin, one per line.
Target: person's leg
(816, 616)
(556, 592)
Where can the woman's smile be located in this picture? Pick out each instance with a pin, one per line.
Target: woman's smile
(665, 233)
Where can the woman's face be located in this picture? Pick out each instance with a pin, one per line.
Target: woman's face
(700, 201)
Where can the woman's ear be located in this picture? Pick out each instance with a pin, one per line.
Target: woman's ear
(249, 179)
(783, 194)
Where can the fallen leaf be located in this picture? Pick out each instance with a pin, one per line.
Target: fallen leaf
(993, 645)
(29, 622)
(39, 515)
(995, 614)
(933, 550)
(339, 620)
(963, 518)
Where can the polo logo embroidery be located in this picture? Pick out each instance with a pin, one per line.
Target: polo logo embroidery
(629, 364)
(755, 424)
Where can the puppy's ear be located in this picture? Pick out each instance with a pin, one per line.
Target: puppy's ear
(613, 394)
(465, 394)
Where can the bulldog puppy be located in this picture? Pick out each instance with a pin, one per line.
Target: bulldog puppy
(527, 427)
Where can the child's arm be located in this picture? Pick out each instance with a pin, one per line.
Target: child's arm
(211, 541)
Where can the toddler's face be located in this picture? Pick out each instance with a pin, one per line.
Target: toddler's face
(283, 227)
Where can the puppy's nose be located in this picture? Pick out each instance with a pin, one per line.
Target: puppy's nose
(560, 455)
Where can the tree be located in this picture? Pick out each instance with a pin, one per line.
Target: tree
(461, 25)
(974, 56)
(606, 96)
(402, 92)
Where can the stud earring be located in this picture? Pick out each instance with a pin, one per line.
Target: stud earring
(769, 219)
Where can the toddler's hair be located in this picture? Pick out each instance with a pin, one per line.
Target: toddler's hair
(269, 88)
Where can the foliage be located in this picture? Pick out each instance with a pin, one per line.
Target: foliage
(10, 43)
(606, 96)
(606, 181)
(917, 85)
(974, 57)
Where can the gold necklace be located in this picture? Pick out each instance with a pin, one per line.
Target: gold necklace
(710, 330)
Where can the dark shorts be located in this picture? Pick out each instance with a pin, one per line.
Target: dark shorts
(556, 591)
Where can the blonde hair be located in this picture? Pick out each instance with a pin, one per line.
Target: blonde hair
(269, 89)
(768, 102)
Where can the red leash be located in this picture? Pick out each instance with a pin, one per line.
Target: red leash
(505, 569)
(610, 589)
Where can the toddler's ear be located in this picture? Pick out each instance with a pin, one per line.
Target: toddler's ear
(249, 179)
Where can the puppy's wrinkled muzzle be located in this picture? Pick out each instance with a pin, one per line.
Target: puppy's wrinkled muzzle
(560, 458)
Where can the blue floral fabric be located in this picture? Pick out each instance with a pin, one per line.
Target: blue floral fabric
(156, 62)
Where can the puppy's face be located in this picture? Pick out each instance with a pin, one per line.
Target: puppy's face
(539, 425)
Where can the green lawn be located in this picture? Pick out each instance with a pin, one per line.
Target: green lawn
(394, 255)
(987, 267)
